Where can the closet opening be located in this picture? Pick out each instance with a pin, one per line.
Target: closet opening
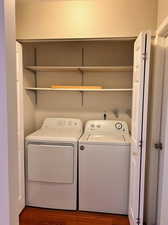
(75, 112)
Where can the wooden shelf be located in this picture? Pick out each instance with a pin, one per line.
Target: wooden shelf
(80, 90)
(107, 68)
(52, 68)
(82, 68)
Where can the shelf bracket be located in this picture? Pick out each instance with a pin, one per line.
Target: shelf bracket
(36, 97)
(35, 81)
(35, 73)
(82, 78)
(82, 98)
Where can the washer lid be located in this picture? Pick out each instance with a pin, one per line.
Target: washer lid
(105, 139)
(53, 135)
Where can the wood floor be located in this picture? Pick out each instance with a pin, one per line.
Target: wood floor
(37, 216)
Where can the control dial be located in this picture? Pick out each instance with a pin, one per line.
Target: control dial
(82, 147)
(118, 125)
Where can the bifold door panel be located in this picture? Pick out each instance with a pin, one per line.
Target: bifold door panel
(50, 163)
(20, 127)
(139, 127)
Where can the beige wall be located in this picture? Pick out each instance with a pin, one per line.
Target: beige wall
(84, 18)
(162, 10)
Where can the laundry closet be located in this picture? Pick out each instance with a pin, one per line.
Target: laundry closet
(107, 64)
(88, 80)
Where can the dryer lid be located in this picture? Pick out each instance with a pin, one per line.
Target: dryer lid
(57, 129)
(54, 135)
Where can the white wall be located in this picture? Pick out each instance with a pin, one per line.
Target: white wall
(8, 116)
(51, 19)
(162, 11)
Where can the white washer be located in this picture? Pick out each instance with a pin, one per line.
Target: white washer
(104, 152)
(51, 170)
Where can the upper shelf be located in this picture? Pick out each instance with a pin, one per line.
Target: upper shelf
(81, 68)
(81, 90)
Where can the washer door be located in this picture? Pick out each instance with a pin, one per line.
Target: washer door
(104, 178)
(50, 163)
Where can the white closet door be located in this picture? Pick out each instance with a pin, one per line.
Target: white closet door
(20, 128)
(139, 127)
(162, 217)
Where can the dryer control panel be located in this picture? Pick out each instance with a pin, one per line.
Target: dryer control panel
(62, 123)
(106, 126)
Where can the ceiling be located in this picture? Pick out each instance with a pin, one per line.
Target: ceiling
(31, 1)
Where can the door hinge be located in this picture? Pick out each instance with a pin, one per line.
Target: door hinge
(158, 146)
(138, 221)
(144, 56)
(140, 144)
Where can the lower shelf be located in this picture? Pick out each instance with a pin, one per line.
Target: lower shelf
(80, 90)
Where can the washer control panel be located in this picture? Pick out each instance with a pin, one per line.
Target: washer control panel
(94, 126)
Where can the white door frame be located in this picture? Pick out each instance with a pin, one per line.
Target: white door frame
(8, 115)
(20, 127)
(162, 216)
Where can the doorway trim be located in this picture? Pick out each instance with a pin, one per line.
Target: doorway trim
(8, 115)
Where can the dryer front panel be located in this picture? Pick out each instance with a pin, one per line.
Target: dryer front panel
(50, 163)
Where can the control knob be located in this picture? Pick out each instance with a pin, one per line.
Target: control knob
(118, 125)
(82, 147)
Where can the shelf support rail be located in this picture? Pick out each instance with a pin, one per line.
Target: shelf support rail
(35, 73)
(82, 77)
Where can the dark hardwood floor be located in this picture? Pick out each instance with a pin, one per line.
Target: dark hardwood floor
(38, 216)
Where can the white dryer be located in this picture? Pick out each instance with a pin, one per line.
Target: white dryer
(51, 168)
(104, 152)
